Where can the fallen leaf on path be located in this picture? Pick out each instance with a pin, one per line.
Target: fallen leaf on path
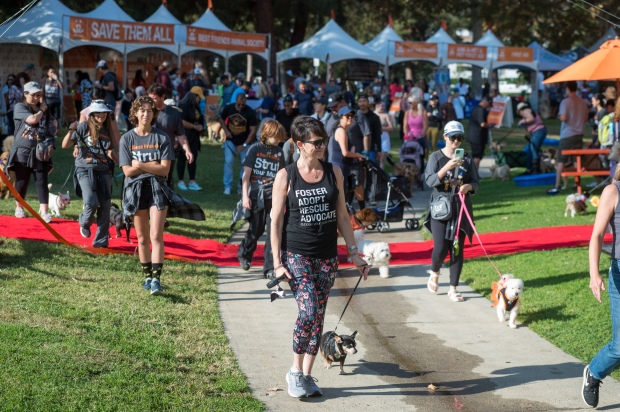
(432, 387)
(274, 389)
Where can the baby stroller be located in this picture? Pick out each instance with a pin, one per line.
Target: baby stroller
(412, 152)
(395, 191)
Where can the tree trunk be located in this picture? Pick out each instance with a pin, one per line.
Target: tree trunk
(263, 11)
(299, 29)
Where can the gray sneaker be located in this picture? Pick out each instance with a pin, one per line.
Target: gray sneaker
(296, 384)
(312, 388)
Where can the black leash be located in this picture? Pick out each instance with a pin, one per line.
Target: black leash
(349, 301)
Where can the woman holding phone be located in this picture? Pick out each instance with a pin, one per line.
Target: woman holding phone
(450, 171)
(308, 209)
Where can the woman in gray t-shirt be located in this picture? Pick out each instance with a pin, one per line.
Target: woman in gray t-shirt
(93, 174)
(145, 154)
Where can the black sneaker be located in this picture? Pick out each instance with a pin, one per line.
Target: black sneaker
(589, 392)
(245, 265)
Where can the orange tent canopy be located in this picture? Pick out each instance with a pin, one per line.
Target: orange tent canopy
(603, 64)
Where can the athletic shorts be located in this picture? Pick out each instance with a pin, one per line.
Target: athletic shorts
(572, 142)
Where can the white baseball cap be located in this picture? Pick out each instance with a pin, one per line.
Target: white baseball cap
(101, 65)
(453, 127)
(32, 87)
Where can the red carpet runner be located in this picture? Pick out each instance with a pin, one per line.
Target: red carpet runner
(405, 253)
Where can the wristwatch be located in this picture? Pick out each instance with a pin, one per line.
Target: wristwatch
(352, 249)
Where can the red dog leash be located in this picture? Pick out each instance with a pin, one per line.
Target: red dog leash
(471, 222)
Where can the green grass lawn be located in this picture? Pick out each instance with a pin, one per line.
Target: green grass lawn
(77, 331)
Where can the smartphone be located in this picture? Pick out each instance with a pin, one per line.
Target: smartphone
(459, 153)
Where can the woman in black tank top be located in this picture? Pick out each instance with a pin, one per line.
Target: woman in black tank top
(308, 208)
(608, 212)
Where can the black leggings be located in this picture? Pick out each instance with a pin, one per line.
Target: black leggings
(191, 167)
(22, 180)
(441, 248)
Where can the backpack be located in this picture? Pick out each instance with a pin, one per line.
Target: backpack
(606, 130)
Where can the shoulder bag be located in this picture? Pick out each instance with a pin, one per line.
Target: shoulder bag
(441, 206)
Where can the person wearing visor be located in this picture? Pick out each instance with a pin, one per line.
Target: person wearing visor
(338, 146)
(450, 171)
(33, 125)
(93, 169)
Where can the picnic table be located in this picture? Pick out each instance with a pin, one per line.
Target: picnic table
(585, 166)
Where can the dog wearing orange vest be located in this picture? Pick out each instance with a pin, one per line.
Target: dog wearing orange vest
(506, 296)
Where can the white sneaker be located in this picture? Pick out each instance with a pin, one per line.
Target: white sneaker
(227, 191)
(19, 212)
(181, 185)
(46, 217)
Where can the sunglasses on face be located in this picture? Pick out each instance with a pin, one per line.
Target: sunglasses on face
(319, 143)
(456, 138)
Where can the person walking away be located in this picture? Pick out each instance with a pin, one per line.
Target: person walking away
(359, 137)
(447, 110)
(193, 121)
(386, 127)
(536, 131)
(448, 175)
(478, 130)
(170, 121)
(338, 146)
(145, 154)
(93, 175)
(86, 89)
(458, 103)
(32, 118)
(365, 105)
(435, 119)
(239, 124)
(52, 89)
(303, 242)
(303, 99)
(574, 114)
(606, 360)
(262, 162)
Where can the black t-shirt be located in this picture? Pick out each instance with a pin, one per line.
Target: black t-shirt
(310, 225)
(106, 80)
(476, 133)
(436, 115)
(286, 121)
(92, 156)
(304, 102)
(153, 147)
(239, 122)
(374, 122)
(192, 115)
(265, 161)
(170, 121)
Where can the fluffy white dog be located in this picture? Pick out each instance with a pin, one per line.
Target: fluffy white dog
(506, 295)
(377, 254)
(57, 202)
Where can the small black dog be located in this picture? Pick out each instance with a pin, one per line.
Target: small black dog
(336, 348)
(116, 220)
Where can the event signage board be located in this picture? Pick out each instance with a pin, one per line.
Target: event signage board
(82, 28)
(496, 113)
(515, 54)
(226, 40)
(467, 52)
(415, 50)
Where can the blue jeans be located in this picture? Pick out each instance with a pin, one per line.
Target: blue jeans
(533, 149)
(230, 152)
(609, 356)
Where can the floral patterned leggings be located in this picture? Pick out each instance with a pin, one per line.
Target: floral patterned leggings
(312, 280)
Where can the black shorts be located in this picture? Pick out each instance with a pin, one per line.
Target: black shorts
(146, 197)
(477, 149)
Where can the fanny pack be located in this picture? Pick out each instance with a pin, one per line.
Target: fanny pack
(43, 151)
(441, 207)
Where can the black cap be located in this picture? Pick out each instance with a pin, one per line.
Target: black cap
(288, 98)
(333, 100)
(434, 97)
(322, 100)
(223, 77)
(362, 96)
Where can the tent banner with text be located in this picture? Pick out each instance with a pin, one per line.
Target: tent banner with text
(226, 40)
(466, 52)
(82, 28)
(515, 54)
(415, 50)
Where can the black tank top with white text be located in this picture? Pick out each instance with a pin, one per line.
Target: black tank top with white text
(310, 225)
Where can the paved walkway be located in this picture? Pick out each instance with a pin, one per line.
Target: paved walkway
(407, 339)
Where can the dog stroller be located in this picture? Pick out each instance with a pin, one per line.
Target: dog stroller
(412, 152)
(395, 191)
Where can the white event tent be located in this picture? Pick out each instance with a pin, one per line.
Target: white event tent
(331, 44)
(163, 16)
(383, 45)
(442, 38)
(547, 61)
